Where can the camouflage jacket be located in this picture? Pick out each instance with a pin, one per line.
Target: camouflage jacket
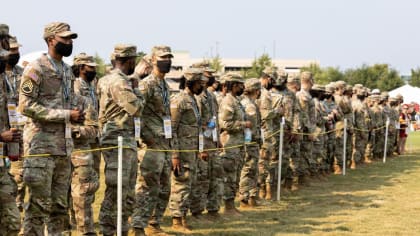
(207, 103)
(360, 115)
(253, 114)
(265, 103)
(46, 98)
(156, 107)
(231, 121)
(308, 111)
(119, 104)
(186, 121)
(12, 84)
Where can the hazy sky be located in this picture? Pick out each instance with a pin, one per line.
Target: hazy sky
(340, 33)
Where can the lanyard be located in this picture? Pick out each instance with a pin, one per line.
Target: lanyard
(66, 89)
(165, 96)
(196, 112)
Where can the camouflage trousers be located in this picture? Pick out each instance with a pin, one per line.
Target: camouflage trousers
(338, 147)
(297, 165)
(16, 169)
(153, 187)
(392, 133)
(48, 182)
(378, 148)
(249, 173)
(181, 186)
(84, 184)
(329, 146)
(319, 153)
(349, 146)
(200, 187)
(96, 158)
(108, 211)
(360, 139)
(9, 213)
(306, 148)
(232, 165)
(215, 191)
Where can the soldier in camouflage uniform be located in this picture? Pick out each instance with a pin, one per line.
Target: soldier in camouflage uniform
(9, 212)
(309, 115)
(208, 190)
(379, 122)
(360, 133)
(345, 109)
(232, 124)
(371, 126)
(386, 115)
(249, 173)
(46, 98)
(393, 125)
(187, 127)
(265, 103)
(121, 105)
(153, 177)
(347, 95)
(12, 81)
(334, 114)
(85, 181)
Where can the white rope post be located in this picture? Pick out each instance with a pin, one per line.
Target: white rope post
(280, 157)
(119, 186)
(386, 137)
(344, 146)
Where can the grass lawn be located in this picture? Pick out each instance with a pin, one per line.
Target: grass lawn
(375, 199)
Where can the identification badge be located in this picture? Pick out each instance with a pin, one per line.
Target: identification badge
(68, 131)
(262, 136)
(214, 133)
(1, 154)
(167, 126)
(137, 127)
(200, 142)
(13, 117)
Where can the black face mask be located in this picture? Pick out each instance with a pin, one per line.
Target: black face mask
(211, 81)
(269, 86)
(218, 87)
(314, 93)
(164, 66)
(361, 97)
(90, 75)
(2, 66)
(240, 92)
(199, 91)
(63, 49)
(13, 59)
(328, 96)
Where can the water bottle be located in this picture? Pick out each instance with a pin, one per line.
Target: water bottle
(248, 135)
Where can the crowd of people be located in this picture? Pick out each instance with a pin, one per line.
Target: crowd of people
(214, 141)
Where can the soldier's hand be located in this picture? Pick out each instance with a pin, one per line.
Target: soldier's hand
(263, 154)
(12, 135)
(248, 124)
(77, 116)
(176, 164)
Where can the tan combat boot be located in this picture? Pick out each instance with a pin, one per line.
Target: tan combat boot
(294, 184)
(268, 195)
(353, 165)
(230, 208)
(139, 232)
(262, 192)
(367, 160)
(252, 202)
(337, 170)
(243, 204)
(155, 229)
(214, 216)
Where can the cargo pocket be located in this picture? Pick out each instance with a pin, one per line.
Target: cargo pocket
(35, 173)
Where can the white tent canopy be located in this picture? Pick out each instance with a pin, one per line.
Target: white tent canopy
(35, 55)
(410, 93)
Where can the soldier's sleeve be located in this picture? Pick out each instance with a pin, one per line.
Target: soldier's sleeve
(266, 109)
(226, 120)
(89, 128)
(125, 97)
(176, 111)
(29, 99)
(296, 116)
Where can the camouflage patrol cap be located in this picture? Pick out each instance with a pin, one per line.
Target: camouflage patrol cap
(393, 99)
(252, 84)
(349, 88)
(162, 51)
(84, 59)
(318, 87)
(330, 88)
(399, 97)
(193, 74)
(233, 77)
(124, 50)
(60, 29)
(375, 97)
(356, 87)
(4, 29)
(385, 94)
(306, 76)
(360, 91)
(340, 84)
(204, 65)
(270, 71)
(376, 91)
(293, 79)
(13, 43)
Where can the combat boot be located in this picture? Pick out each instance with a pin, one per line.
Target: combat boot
(367, 160)
(198, 218)
(304, 180)
(262, 192)
(337, 170)
(353, 165)
(252, 202)
(268, 195)
(214, 216)
(243, 204)
(230, 208)
(138, 232)
(155, 229)
(294, 184)
(178, 225)
(185, 224)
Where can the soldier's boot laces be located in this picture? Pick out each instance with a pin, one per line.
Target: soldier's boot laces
(268, 195)
(155, 229)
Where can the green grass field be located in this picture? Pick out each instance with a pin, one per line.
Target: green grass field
(375, 199)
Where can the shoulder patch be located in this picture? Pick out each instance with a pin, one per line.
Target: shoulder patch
(27, 87)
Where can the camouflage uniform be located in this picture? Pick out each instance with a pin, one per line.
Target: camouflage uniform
(153, 176)
(187, 126)
(207, 192)
(360, 134)
(378, 146)
(9, 213)
(46, 98)
(231, 121)
(371, 125)
(319, 153)
(84, 180)
(119, 105)
(345, 108)
(249, 172)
